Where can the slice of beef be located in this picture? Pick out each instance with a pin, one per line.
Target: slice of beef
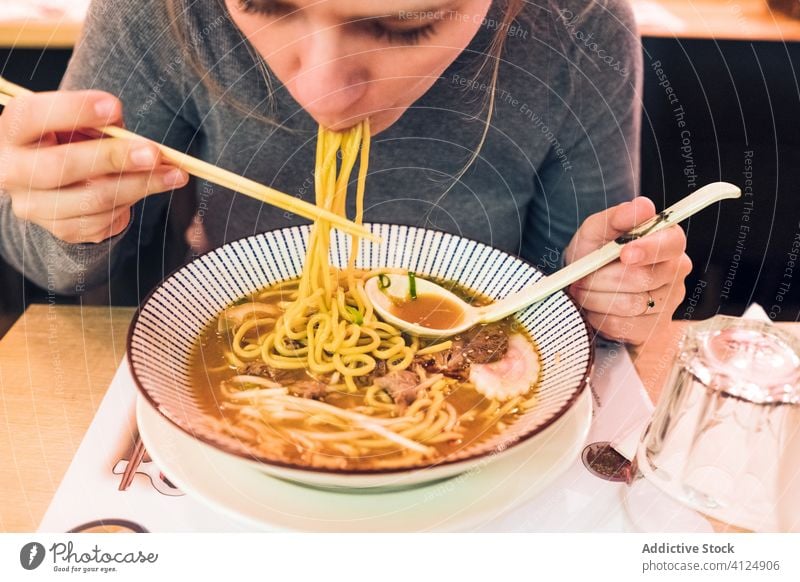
(400, 385)
(266, 371)
(448, 362)
(309, 389)
(381, 369)
(484, 344)
(479, 345)
(255, 369)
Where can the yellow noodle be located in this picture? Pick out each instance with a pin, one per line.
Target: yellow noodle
(234, 361)
(401, 363)
(253, 351)
(432, 349)
(445, 437)
(453, 416)
(435, 428)
(389, 347)
(377, 398)
(509, 406)
(530, 402)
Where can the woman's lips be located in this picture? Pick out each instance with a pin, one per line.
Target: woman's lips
(379, 120)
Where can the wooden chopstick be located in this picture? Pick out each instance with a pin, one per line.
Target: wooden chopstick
(133, 464)
(226, 178)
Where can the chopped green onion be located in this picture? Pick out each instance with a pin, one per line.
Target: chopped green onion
(358, 319)
(384, 281)
(412, 285)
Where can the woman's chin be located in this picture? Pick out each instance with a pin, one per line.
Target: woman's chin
(383, 120)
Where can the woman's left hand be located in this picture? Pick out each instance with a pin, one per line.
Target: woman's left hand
(627, 299)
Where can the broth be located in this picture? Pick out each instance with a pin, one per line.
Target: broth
(430, 311)
(462, 410)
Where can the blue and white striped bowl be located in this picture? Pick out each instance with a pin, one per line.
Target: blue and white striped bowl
(164, 333)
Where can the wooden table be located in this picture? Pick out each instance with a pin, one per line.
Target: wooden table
(55, 366)
(39, 34)
(743, 20)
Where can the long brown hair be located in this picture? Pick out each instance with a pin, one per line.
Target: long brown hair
(493, 58)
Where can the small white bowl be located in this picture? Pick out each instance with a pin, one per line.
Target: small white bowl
(164, 332)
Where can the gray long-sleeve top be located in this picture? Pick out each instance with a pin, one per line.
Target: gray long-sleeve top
(563, 141)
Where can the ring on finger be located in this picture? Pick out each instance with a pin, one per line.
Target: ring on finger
(651, 303)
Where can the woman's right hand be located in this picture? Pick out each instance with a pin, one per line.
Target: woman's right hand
(79, 188)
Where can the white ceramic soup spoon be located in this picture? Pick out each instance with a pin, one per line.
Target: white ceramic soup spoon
(426, 309)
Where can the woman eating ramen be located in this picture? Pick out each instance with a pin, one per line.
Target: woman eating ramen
(509, 122)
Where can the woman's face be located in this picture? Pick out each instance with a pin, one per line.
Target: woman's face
(345, 60)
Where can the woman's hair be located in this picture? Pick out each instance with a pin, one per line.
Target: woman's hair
(177, 16)
(493, 58)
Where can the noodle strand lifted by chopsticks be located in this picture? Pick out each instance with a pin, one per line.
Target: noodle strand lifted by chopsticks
(329, 325)
(328, 328)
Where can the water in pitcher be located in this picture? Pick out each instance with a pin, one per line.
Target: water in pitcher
(717, 440)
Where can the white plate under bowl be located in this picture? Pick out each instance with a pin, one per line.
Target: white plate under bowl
(490, 489)
(164, 333)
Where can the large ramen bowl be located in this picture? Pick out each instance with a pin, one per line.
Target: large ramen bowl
(165, 332)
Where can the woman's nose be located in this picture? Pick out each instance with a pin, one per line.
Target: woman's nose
(329, 81)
